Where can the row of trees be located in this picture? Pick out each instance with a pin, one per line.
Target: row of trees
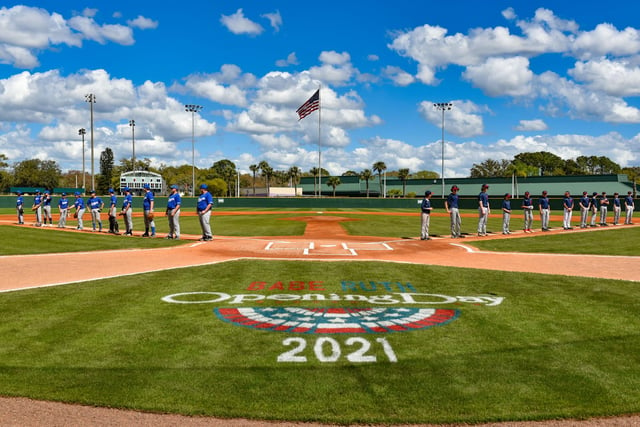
(222, 176)
(545, 163)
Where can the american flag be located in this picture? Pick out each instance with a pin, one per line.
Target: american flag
(310, 106)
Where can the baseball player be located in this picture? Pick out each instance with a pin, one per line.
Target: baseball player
(95, 204)
(506, 213)
(584, 209)
(127, 211)
(63, 208)
(204, 206)
(425, 216)
(451, 205)
(527, 206)
(604, 203)
(37, 207)
(147, 208)
(483, 210)
(567, 204)
(20, 208)
(113, 212)
(545, 210)
(617, 207)
(629, 206)
(593, 208)
(80, 208)
(173, 213)
(46, 207)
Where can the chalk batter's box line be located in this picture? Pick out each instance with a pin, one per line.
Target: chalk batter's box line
(314, 249)
(319, 252)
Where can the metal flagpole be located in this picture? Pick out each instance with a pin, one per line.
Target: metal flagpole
(319, 150)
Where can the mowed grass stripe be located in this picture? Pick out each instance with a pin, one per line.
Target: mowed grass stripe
(553, 348)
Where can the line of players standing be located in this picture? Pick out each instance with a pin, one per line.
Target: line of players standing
(42, 209)
(589, 209)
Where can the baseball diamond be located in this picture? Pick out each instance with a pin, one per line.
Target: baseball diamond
(324, 240)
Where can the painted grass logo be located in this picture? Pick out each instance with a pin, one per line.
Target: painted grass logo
(336, 320)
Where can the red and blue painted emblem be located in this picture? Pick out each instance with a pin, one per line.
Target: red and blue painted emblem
(336, 320)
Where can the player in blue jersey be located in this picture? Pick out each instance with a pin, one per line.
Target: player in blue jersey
(506, 213)
(545, 210)
(63, 208)
(584, 204)
(451, 206)
(567, 205)
(629, 207)
(617, 208)
(527, 206)
(95, 205)
(604, 204)
(204, 206)
(425, 215)
(113, 212)
(173, 213)
(147, 212)
(46, 207)
(127, 211)
(483, 210)
(20, 208)
(80, 208)
(37, 207)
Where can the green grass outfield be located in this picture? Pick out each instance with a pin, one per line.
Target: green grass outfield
(552, 348)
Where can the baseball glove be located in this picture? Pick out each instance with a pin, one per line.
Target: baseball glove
(34, 207)
(150, 216)
(75, 214)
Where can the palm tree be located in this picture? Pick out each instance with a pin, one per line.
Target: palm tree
(314, 173)
(366, 175)
(267, 172)
(333, 181)
(294, 173)
(254, 169)
(403, 174)
(380, 167)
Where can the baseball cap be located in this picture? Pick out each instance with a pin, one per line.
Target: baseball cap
(507, 195)
(146, 186)
(77, 193)
(485, 185)
(127, 189)
(544, 191)
(37, 191)
(454, 188)
(93, 191)
(111, 190)
(595, 193)
(426, 193)
(63, 194)
(175, 187)
(204, 186)
(526, 193)
(584, 193)
(46, 192)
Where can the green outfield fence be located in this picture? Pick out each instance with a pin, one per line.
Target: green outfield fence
(325, 203)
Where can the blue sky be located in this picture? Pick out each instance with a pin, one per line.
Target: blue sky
(550, 77)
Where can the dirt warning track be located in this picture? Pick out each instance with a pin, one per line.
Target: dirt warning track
(324, 239)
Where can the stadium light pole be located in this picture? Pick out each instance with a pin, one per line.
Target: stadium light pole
(193, 109)
(132, 123)
(82, 132)
(91, 99)
(443, 106)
